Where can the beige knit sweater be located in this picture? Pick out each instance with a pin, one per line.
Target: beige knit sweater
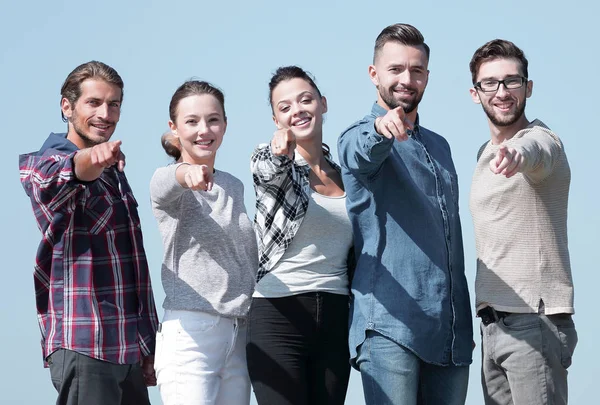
(521, 227)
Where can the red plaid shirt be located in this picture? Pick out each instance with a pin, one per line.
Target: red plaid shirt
(92, 285)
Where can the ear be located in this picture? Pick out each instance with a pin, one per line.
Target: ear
(225, 129)
(66, 108)
(475, 95)
(373, 75)
(173, 128)
(324, 103)
(277, 123)
(529, 89)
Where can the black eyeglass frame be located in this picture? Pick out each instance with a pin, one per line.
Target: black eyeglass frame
(502, 82)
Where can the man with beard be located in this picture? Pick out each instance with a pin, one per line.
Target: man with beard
(411, 329)
(93, 295)
(519, 195)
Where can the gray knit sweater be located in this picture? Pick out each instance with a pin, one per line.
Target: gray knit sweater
(210, 251)
(520, 227)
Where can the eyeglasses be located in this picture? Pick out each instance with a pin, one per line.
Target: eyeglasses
(491, 86)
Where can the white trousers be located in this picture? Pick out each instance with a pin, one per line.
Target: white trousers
(201, 359)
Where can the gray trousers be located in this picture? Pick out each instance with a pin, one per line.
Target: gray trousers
(82, 380)
(525, 359)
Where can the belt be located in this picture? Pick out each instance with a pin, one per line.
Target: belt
(490, 315)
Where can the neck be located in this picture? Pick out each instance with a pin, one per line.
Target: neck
(411, 116)
(311, 151)
(209, 162)
(503, 133)
(74, 137)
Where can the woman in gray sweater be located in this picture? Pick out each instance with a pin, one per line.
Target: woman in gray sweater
(210, 258)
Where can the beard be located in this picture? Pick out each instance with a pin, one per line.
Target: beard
(387, 95)
(504, 120)
(87, 139)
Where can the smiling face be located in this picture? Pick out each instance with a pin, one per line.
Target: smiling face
(200, 126)
(94, 116)
(298, 106)
(400, 75)
(503, 107)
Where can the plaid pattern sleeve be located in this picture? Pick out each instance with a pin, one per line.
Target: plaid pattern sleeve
(92, 285)
(282, 194)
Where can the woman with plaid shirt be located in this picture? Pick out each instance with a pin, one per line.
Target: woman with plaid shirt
(297, 348)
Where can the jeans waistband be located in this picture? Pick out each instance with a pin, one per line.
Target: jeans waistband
(490, 315)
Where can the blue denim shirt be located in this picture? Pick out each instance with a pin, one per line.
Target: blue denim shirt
(409, 284)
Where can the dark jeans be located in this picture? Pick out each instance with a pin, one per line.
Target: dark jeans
(297, 349)
(82, 380)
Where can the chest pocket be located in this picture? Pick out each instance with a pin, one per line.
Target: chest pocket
(103, 210)
(452, 180)
(99, 214)
(131, 205)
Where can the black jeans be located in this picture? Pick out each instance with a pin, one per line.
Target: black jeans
(297, 349)
(82, 380)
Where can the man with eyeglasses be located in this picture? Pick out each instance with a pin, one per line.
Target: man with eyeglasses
(519, 195)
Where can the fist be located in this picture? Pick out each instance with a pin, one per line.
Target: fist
(148, 371)
(283, 143)
(394, 124)
(198, 177)
(107, 154)
(508, 162)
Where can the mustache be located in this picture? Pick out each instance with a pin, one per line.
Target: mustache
(101, 121)
(404, 88)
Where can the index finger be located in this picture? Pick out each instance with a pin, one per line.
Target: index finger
(504, 163)
(208, 179)
(115, 144)
(402, 115)
(289, 136)
(121, 162)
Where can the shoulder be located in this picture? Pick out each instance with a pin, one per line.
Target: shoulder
(434, 137)
(260, 150)
(366, 120)
(164, 171)
(228, 178)
(539, 130)
(481, 149)
(46, 162)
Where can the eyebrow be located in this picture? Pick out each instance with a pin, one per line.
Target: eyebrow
(504, 78)
(92, 98)
(404, 66)
(193, 115)
(300, 95)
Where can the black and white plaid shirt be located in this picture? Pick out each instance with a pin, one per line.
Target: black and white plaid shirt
(282, 193)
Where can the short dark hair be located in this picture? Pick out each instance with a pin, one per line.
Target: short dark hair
(71, 88)
(285, 73)
(405, 34)
(187, 89)
(497, 49)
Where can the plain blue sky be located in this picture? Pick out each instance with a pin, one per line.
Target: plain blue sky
(155, 46)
